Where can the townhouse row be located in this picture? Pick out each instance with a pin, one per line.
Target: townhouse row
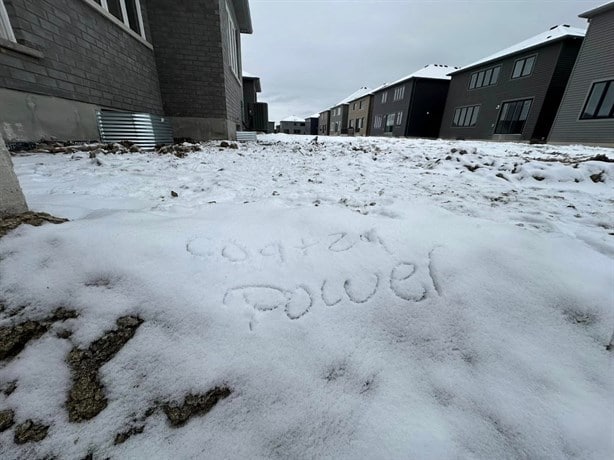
(557, 86)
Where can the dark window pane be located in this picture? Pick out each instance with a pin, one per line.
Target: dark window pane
(525, 110)
(495, 75)
(517, 69)
(133, 18)
(474, 78)
(593, 99)
(468, 117)
(474, 118)
(461, 120)
(608, 102)
(456, 117)
(115, 9)
(480, 79)
(487, 77)
(528, 66)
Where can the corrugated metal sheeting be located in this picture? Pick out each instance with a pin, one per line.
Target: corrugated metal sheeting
(142, 129)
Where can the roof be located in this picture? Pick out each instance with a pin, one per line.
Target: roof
(315, 115)
(244, 16)
(355, 95)
(294, 119)
(433, 71)
(248, 76)
(554, 34)
(599, 10)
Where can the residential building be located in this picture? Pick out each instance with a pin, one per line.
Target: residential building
(513, 94)
(324, 123)
(359, 114)
(311, 124)
(413, 105)
(292, 125)
(66, 64)
(255, 114)
(586, 113)
(339, 113)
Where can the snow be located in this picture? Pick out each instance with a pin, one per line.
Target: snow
(556, 33)
(363, 298)
(293, 118)
(315, 115)
(248, 75)
(434, 71)
(362, 92)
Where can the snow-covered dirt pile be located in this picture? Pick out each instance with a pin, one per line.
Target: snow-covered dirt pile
(345, 299)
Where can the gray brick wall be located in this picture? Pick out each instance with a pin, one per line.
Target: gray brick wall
(234, 87)
(187, 38)
(87, 57)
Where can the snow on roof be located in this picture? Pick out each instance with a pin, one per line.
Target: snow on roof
(315, 115)
(355, 95)
(435, 71)
(248, 75)
(555, 33)
(293, 118)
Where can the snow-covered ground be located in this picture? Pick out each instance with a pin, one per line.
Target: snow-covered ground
(357, 298)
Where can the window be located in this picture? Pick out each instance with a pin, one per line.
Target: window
(360, 122)
(466, 116)
(513, 117)
(6, 31)
(378, 121)
(486, 77)
(233, 43)
(399, 118)
(399, 93)
(389, 122)
(354, 106)
(600, 102)
(359, 105)
(523, 67)
(127, 11)
(351, 123)
(384, 97)
(336, 126)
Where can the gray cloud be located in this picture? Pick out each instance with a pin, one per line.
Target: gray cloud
(310, 54)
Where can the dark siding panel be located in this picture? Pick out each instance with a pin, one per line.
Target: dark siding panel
(391, 106)
(428, 102)
(560, 77)
(595, 62)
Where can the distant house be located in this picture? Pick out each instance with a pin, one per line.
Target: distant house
(324, 123)
(292, 125)
(311, 124)
(67, 68)
(513, 94)
(413, 105)
(359, 114)
(255, 114)
(339, 113)
(586, 113)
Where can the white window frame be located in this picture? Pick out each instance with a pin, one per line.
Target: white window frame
(6, 31)
(384, 97)
(399, 93)
(232, 42)
(124, 19)
(399, 118)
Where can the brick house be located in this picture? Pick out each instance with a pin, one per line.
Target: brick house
(324, 123)
(586, 114)
(413, 105)
(359, 114)
(513, 94)
(255, 114)
(65, 62)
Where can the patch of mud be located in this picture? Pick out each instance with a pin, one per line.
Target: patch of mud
(194, 405)
(7, 419)
(13, 339)
(30, 431)
(31, 218)
(86, 398)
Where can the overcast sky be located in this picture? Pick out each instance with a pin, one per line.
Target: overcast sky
(310, 54)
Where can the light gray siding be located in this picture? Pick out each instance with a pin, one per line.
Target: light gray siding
(595, 63)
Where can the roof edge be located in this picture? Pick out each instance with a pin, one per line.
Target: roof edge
(506, 56)
(595, 11)
(243, 16)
